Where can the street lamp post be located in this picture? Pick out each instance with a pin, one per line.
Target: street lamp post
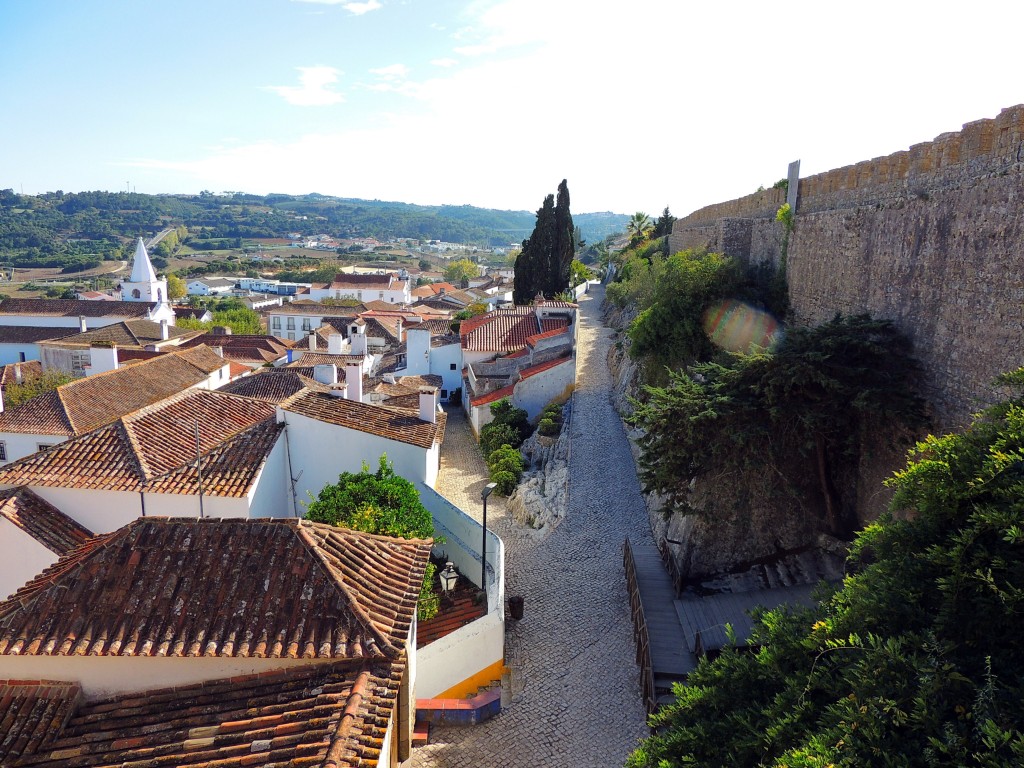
(483, 548)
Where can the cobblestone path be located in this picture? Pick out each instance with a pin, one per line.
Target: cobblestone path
(573, 694)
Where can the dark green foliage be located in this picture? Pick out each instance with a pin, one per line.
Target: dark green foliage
(550, 423)
(375, 502)
(493, 436)
(506, 482)
(669, 332)
(918, 660)
(379, 502)
(507, 459)
(803, 410)
(544, 264)
(663, 226)
(33, 386)
(508, 425)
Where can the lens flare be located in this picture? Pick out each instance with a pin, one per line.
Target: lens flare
(739, 327)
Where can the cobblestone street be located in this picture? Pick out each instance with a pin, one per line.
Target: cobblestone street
(573, 694)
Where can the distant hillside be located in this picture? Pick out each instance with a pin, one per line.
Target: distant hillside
(58, 229)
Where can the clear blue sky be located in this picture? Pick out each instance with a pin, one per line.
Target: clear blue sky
(639, 105)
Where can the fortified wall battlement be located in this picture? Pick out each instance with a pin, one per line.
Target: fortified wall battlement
(931, 238)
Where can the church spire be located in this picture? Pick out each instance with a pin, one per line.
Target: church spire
(142, 267)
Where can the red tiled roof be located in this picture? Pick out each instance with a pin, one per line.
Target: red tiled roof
(30, 334)
(272, 385)
(363, 282)
(127, 333)
(153, 449)
(333, 715)
(85, 404)
(494, 396)
(180, 587)
(30, 369)
(533, 370)
(505, 330)
(397, 424)
(532, 340)
(258, 348)
(75, 308)
(42, 521)
(32, 714)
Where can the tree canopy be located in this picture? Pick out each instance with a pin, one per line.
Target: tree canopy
(802, 409)
(460, 270)
(543, 265)
(917, 660)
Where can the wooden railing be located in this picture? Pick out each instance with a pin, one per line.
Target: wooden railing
(640, 634)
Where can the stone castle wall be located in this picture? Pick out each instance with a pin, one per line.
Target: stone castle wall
(931, 238)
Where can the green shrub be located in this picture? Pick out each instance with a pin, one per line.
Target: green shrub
(506, 459)
(506, 481)
(548, 427)
(493, 436)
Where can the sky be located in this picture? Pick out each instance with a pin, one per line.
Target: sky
(640, 105)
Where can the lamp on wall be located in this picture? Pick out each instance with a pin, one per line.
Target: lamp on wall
(448, 579)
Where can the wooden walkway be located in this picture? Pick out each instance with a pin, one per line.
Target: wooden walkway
(662, 649)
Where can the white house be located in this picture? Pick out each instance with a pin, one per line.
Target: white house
(387, 287)
(78, 314)
(275, 636)
(431, 349)
(82, 405)
(210, 286)
(20, 343)
(72, 353)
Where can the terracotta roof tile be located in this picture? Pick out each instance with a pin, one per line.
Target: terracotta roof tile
(42, 521)
(230, 588)
(10, 373)
(75, 308)
(364, 282)
(127, 333)
(136, 451)
(256, 348)
(401, 425)
(30, 334)
(332, 715)
(32, 715)
(533, 370)
(85, 404)
(272, 385)
(493, 396)
(505, 330)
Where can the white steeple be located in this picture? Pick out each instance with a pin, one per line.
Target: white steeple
(143, 284)
(142, 267)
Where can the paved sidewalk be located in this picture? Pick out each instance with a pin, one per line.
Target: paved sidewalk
(575, 693)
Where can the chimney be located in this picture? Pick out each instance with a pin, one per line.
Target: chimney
(354, 379)
(102, 358)
(17, 373)
(339, 390)
(359, 342)
(81, 324)
(218, 351)
(334, 344)
(399, 330)
(312, 341)
(220, 330)
(326, 374)
(428, 404)
(165, 332)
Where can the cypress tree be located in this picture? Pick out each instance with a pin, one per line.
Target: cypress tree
(545, 262)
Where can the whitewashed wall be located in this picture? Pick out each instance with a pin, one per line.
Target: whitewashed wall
(535, 392)
(21, 557)
(12, 353)
(271, 494)
(21, 444)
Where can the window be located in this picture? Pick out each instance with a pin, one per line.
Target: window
(291, 325)
(277, 323)
(307, 324)
(3, 451)
(136, 294)
(291, 336)
(452, 367)
(381, 295)
(21, 357)
(444, 394)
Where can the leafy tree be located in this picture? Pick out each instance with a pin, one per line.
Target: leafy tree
(383, 503)
(580, 273)
(663, 226)
(460, 270)
(33, 386)
(175, 287)
(803, 410)
(639, 228)
(241, 320)
(543, 265)
(918, 660)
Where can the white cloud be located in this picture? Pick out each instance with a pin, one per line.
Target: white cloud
(314, 89)
(358, 9)
(392, 72)
(444, 63)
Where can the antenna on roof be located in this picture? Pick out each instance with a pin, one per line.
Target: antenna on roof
(199, 472)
